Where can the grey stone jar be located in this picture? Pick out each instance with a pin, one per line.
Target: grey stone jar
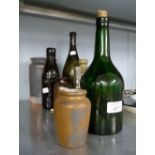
(35, 75)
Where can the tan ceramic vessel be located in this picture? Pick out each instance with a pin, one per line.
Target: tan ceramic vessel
(72, 114)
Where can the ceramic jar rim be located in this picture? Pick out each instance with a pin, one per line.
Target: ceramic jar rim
(37, 59)
(71, 91)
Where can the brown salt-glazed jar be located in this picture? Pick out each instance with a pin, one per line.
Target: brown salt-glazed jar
(71, 115)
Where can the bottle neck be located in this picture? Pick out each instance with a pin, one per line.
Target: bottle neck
(102, 44)
(77, 77)
(50, 60)
(72, 43)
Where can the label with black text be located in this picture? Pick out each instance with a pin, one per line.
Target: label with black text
(114, 106)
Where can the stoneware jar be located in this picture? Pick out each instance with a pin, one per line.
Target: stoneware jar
(35, 73)
(71, 115)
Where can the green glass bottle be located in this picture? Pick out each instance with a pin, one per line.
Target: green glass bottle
(104, 84)
(72, 60)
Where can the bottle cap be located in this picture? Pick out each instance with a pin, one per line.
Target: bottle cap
(102, 13)
(50, 51)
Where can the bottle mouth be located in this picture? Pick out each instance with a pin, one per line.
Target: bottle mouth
(72, 33)
(63, 79)
(50, 51)
(71, 91)
(102, 13)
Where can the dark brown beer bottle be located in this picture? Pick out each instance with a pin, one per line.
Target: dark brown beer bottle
(49, 78)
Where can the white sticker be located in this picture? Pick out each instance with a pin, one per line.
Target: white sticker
(72, 52)
(45, 90)
(114, 107)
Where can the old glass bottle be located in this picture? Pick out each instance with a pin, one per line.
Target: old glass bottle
(72, 59)
(62, 82)
(104, 84)
(77, 77)
(49, 78)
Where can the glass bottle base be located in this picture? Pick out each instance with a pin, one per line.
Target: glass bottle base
(47, 108)
(104, 133)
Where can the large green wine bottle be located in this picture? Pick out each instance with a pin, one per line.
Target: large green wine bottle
(104, 84)
(72, 60)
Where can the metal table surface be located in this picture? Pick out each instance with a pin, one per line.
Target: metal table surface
(37, 135)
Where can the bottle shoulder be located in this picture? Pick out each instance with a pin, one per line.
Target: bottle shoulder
(50, 72)
(51, 69)
(72, 58)
(102, 67)
(71, 62)
(102, 71)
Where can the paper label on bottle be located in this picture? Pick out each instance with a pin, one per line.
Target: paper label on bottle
(45, 90)
(114, 107)
(72, 52)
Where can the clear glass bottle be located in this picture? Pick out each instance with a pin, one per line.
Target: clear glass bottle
(77, 77)
(104, 84)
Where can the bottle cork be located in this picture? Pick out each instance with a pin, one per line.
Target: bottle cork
(102, 13)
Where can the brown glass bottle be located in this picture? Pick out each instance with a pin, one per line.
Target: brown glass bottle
(62, 82)
(72, 59)
(49, 78)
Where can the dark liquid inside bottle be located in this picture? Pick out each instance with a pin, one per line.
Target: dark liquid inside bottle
(62, 82)
(72, 60)
(105, 86)
(49, 78)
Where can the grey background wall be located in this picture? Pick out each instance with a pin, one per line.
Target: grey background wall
(37, 33)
